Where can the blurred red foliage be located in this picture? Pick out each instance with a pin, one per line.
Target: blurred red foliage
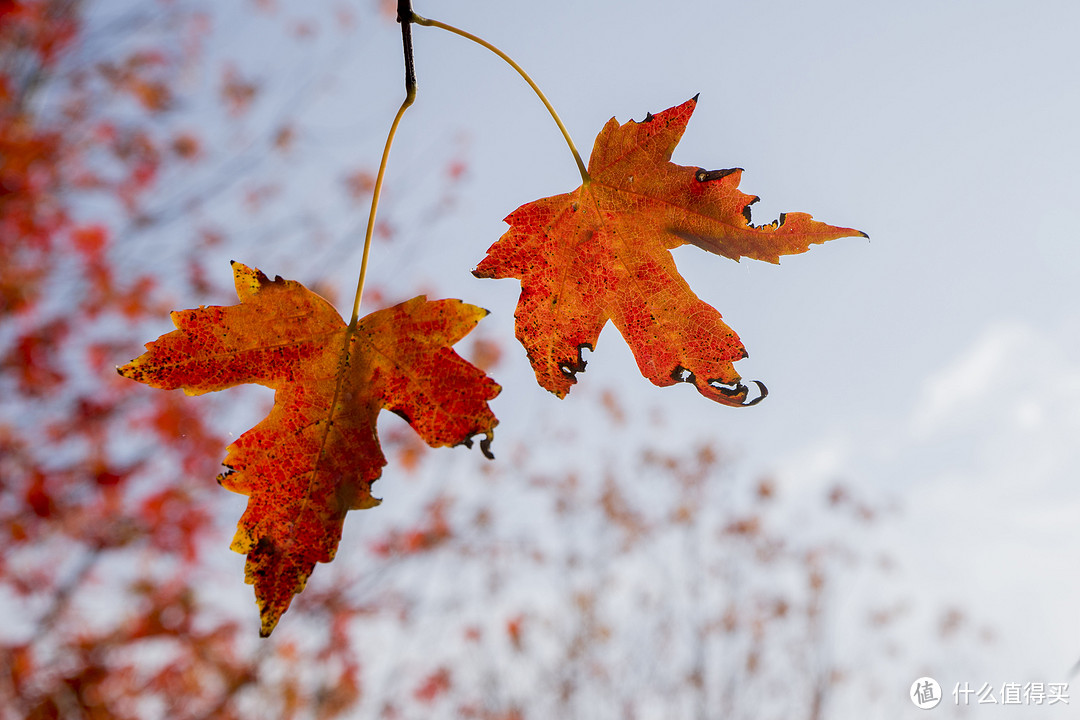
(103, 509)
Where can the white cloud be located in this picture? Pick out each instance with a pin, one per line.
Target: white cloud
(987, 469)
(990, 366)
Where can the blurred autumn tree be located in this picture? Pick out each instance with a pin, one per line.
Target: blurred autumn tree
(644, 582)
(105, 504)
(636, 584)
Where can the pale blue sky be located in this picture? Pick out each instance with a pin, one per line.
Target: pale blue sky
(936, 365)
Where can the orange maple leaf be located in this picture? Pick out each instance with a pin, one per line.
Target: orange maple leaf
(602, 253)
(314, 457)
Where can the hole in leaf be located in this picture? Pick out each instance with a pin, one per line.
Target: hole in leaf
(681, 374)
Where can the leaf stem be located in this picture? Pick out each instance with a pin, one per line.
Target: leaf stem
(585, 179)
(410, 96)
(404, 14)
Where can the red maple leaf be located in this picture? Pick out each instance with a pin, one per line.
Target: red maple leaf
(316, 454)
(602, 252)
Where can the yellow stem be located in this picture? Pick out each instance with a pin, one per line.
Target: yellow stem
(585, 179)
(350, 331)
(410, 95)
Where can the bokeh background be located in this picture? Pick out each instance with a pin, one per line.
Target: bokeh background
(903, 504)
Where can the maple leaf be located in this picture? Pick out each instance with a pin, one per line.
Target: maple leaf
(602, 252)
(314, 457)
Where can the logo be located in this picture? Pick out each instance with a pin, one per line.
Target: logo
(925, 693)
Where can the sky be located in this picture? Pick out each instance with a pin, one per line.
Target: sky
(936, 363)
(935, 366)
